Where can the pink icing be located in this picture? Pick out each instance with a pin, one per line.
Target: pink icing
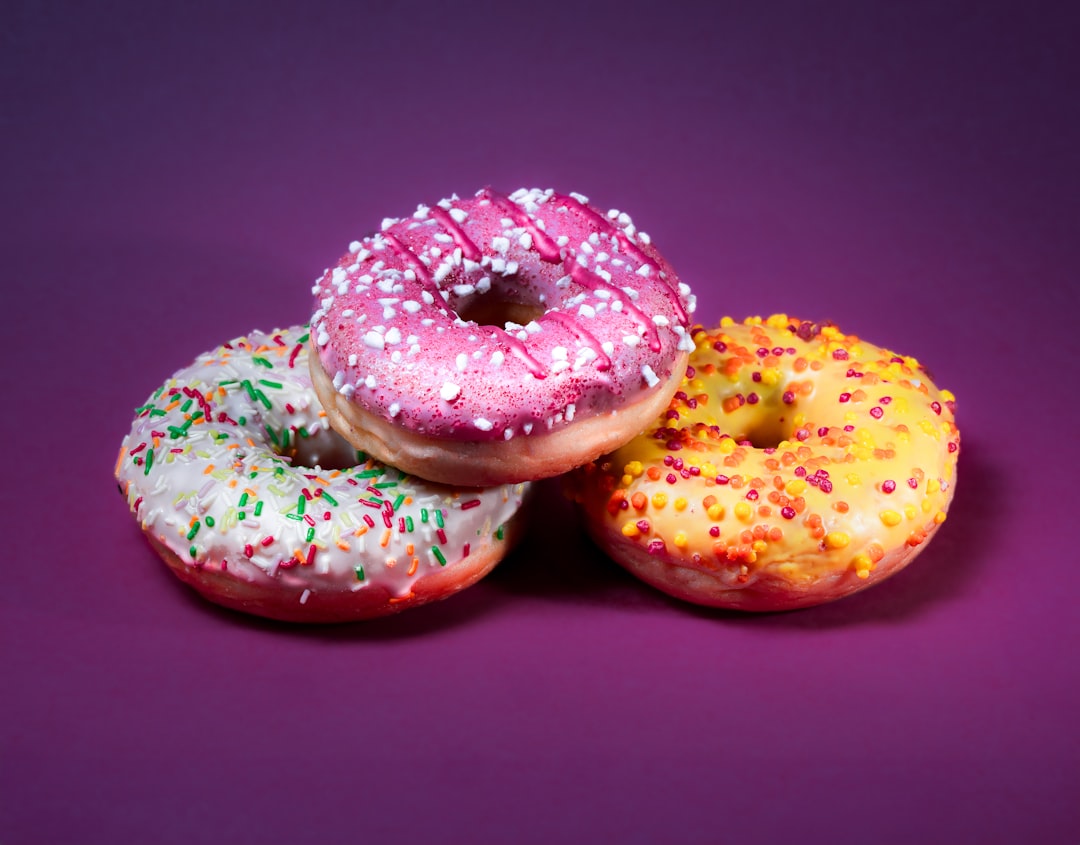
(612, 316)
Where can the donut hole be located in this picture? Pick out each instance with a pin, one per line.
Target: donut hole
(768, 433)
(498, 307)
(325, 449)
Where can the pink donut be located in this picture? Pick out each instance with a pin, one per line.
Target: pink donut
(499, 339)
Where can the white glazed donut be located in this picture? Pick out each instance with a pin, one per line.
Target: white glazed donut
(222, 470)
(497, 339)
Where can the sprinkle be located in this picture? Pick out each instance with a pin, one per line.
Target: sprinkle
(438, 555)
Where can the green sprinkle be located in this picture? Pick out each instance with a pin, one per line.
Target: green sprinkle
(423, 515)
(242, 420)
(274, 384)
(243, 499)
(149, 461)
(303, 338)
(499, 533)
(262, 362)
(408, 524)
(302, 431)
(157, 412)
(369, 473)
(262, 398)
(186, 406)
(301, 503)
(273, 437)
(330, 498)
(250, 390)
(177, 432)
(209, 522)
(242, 515)
(228, 382)
(295, 516)
(383, 484)
(438, 518)
(193, 552)
(359, 573)
(145, 407)
(258, 508)
(194, 530)
(398, 501)
(310, 535)
(285, 438)
(438, 555)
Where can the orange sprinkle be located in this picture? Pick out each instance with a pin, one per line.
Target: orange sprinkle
(412, 566)
(209, 469)
(120, 460)
(840, 507)
(639, 501)
(653, 473)
(385, 538)
(345, 547)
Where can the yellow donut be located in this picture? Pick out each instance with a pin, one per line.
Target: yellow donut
(795, 465)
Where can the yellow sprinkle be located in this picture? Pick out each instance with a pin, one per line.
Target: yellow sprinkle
(909, 511)
(716, 512)
(743, 511)
(680, 539)
(939, 517)
(759, 546)
(837, 539)
(627, 480)
(726, 322)
(926, 506)
(948, 396)
(890, 518)
(629, 529)
(659, 500)
(933, 485)
(770, 377)
(680, 504)
(708, 469)
(853, 479)
(795, 487)
(863, 565)
(727, 445)
(777, 321)
(799, 420)
(634, 468)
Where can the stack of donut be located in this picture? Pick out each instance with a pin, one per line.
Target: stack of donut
(380, 455)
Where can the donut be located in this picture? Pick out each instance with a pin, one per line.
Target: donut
(498, 339)
(794, 465)
(241, 486)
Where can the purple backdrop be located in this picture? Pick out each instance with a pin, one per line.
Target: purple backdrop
(176, 175)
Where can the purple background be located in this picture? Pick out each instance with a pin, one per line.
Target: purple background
(178, 176)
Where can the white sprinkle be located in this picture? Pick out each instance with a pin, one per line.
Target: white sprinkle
(649, 376)
(580, 198)
(660, 320)
(421, 212)
(374, 340)
(339, 379)
(559, 366)
(525, 241)
(443, 238)
(427, 297)
(411, 305)
(449, 391)
(586, 247)
(484, 285)
(442, 271)
(394, 409)
(631, 340)
(570, 409)
(393, 336)
(387, 223)
(304, 596)
(508, 433)
(558, 353)
(462, 361)
(608, 347)
(498, 265)
(323, 338)
(644, 270)
(371, 382)
(352, 360)
(458, 214)
(587, 311)
(500, 244)
(645, 239)
(464, 290)
(527, 428)
(497, 358)
(355, 247)
(482, 424)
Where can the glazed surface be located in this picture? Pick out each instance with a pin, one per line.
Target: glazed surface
(795, 464)
(497, 317)
(231, 469)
